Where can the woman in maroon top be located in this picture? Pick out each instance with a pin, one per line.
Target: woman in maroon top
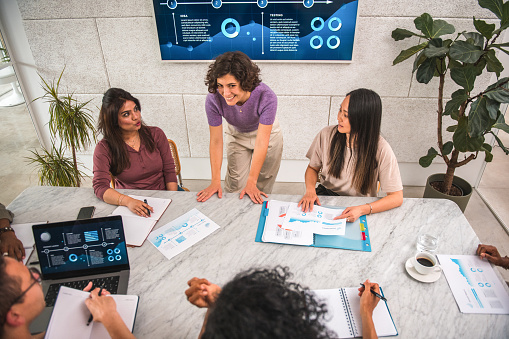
(138, 156)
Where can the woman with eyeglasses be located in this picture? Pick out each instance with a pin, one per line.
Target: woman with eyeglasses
(138, 156)
(351, 158)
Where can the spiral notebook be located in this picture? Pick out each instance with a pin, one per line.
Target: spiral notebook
(344, 316)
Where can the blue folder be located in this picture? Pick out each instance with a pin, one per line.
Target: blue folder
(356, 236)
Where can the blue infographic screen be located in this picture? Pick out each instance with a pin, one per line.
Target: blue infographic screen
(263, 29)
(77, 246)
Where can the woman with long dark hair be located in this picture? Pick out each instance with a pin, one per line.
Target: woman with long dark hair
(138, 156)
(254, 139)
(352, 158)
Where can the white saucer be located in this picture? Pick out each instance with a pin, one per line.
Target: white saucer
(428, 278)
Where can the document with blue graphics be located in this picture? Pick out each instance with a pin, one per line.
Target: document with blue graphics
(182, 233)
(474, 284)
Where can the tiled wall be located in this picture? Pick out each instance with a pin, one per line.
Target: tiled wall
(106, 44)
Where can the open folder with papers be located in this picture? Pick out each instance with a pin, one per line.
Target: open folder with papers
(284, 223)
(70, 315)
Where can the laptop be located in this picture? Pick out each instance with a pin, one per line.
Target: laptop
(72, 253)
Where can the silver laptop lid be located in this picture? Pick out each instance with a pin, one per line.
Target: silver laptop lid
(81, 247)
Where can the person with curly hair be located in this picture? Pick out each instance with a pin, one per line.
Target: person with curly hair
(351, 158)
(262, 303)
(253, 136)
(138, 156)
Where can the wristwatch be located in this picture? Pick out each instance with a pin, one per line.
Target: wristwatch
(6, 229)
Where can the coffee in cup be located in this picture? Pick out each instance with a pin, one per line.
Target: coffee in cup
(426, 263)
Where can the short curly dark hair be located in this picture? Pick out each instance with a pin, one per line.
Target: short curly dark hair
(261, 303)
(237, 64)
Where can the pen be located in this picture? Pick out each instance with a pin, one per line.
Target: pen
(91, 316)
(148, 211)
(378, 295)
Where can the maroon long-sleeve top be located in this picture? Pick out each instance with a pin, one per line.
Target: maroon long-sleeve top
(148, 171)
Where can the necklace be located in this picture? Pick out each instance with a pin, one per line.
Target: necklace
(133, 142)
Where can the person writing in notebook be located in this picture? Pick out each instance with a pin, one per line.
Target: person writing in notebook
(10, 245)
(136, 155)
(351, 158)
(262, 303)
(22, 300)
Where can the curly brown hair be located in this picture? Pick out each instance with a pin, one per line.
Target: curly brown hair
(237, 64)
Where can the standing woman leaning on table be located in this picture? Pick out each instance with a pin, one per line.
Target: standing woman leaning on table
(352, 157)
(254, 139)
(138, 156)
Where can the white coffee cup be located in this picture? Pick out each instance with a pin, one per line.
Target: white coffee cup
(426, 263)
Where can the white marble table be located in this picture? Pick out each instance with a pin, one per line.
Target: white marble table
(419, 310)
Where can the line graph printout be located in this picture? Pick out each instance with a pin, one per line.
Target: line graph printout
(474, 284)
(182, 233)
(289, 30)
(320, 220)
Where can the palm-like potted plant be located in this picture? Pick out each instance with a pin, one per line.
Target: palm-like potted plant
(72, 122)
(464, 56)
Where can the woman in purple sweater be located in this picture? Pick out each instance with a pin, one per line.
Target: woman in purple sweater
(254, 139)
(138, 156)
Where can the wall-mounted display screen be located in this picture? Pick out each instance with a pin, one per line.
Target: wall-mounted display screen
(313, 30)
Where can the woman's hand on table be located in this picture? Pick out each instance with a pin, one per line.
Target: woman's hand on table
(491, 253)
(308, 200)
(138, 207)
(368, 299)
(353, 213)
(253, 192)
(206, 193)
(201, 292)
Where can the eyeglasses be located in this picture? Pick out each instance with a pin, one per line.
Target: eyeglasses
(36, 279)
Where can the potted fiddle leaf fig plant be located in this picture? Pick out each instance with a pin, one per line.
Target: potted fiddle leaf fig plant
(73, 124)
(460, 57)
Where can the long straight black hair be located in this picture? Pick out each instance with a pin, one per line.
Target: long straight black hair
(113, 100)
(365, 116)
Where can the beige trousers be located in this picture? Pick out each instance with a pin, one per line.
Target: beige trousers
(239, 152)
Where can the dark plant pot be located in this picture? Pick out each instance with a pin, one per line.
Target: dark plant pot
(461, 201)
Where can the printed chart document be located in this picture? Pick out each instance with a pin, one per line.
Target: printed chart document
(182, 233)
(474, 284)
(70, 315)
(25, 235)
(137, 228)
(343, 306)
(287, 224)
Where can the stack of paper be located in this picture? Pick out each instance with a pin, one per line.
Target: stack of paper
(25, 235)
(287, 224)
(137, 228)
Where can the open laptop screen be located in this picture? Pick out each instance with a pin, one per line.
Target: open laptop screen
(81, 247)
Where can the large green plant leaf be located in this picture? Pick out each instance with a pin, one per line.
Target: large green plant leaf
(499, 142)
(400, 34)
(502, 125)
(457, 98)
(495, 6)
(419, 59)
(493, 108)
(484, 28)
(442, 27)
(464, 76)
(407, 53)
(465, 52)
(494, 65)
(448, 146)
(478, 118)
(426, 71)
(426, 160)
(424, 23)
(499, 91)
(504, 22)
(432, 51)
(475, 38)
(462, 141)
(486, 148)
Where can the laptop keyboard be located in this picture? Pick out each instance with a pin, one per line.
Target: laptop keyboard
(108, 283)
